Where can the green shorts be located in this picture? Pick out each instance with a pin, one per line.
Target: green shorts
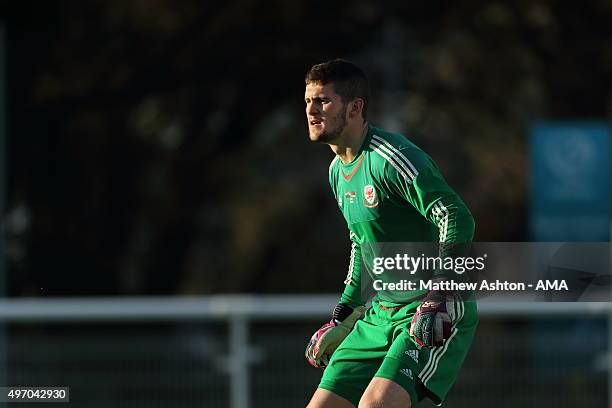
(380, 346)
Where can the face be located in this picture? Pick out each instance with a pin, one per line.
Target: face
(325, 112)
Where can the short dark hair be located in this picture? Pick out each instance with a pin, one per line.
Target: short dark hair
(349, 81)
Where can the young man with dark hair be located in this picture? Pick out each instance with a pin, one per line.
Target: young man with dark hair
(388, 190)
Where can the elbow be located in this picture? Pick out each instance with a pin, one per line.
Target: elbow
(470, 224)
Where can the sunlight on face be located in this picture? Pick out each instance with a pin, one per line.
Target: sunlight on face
(325, 112)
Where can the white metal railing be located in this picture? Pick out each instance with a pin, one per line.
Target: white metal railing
(239, 310)
(252, 307)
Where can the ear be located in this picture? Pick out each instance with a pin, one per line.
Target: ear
(355, 108)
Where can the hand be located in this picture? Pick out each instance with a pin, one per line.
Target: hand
(326, 340)
(433, 321)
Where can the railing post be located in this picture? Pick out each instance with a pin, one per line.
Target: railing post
(608, 304)
(239, 361)
(3, 206)
(609, 354)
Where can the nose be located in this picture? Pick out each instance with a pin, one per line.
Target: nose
(311, 109)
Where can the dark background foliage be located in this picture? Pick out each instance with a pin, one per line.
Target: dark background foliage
(160, 147)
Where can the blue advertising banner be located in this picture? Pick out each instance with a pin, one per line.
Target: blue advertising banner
(570, 177)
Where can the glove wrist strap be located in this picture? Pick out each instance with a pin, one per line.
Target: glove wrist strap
(341, 312)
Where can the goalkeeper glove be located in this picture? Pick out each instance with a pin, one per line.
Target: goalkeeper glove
(326, 340)
(433, 321)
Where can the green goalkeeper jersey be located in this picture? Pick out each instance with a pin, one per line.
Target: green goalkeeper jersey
(393, 192)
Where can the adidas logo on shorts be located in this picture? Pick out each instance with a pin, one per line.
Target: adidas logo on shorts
(407, 372)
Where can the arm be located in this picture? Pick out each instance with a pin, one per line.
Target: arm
(445, 209)
(350, 308)
(422, 185)
(351, 296)
(326, 339)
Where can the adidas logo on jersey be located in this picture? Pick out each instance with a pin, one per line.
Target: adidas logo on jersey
(414, 354)
(407, 372)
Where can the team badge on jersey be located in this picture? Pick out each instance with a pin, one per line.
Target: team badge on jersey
(369, 196)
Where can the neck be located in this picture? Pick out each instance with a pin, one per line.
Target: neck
(348, 148)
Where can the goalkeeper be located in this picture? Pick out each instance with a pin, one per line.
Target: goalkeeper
(398, 351)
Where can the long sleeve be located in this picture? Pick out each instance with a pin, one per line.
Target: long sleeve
(351, 295)
(420, 183)
(352, 291)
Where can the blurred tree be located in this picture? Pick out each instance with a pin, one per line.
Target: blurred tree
(160, 147)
